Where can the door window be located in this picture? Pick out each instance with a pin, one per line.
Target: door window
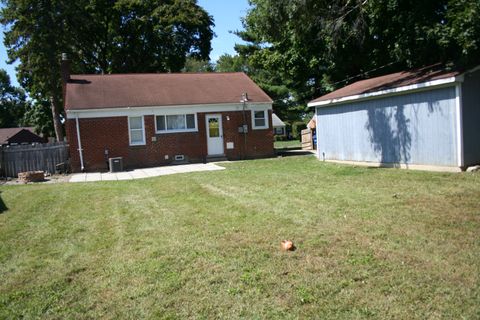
(213, 128)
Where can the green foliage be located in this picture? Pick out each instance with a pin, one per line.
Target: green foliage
(13, 103)
(195, 65)
(309, 47)
(283, 105)
(100, 36)
(232, 63)
(140, 35)
(39, 116)
(297, 128)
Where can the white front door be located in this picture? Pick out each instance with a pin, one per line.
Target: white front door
(214, 134)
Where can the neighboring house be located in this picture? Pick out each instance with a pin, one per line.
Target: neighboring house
(423, 118)
(155, 119)
(14, 136)
(279, 127)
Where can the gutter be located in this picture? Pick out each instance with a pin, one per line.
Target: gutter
(389, 92)
(80, 150)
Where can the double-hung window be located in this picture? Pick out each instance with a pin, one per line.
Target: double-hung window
(260, 119)
(136, 131)
(176, 123)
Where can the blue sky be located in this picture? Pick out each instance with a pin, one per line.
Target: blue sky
(226, 13)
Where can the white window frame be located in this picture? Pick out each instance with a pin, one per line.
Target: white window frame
(176, 130)
(143, 142)
(265, 114)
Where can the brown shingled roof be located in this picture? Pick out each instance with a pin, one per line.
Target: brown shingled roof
(7, 133)
(390, 81)
(162, 89)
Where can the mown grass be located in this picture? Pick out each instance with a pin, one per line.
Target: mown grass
(288, 144)
(372, 243)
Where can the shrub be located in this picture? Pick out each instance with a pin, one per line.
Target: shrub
(297, 128)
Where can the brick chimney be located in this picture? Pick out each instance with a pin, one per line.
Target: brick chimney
(65, 68)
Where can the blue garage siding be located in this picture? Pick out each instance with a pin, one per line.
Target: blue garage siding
(471, 118)
(415, 128)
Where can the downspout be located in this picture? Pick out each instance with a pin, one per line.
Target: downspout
(80, 150)
(245, 125)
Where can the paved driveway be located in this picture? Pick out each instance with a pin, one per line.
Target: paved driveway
(143, 173)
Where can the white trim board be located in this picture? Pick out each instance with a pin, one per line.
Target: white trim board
(163, 110)
(389, 92)
(459, 124)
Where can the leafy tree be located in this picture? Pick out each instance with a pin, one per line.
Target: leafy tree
(139, 35)
(231, 63)
(195, 65)
(34, 37)
(13, 104)
(100, 36)
(39, 116)
(283, 105)
(311, 47)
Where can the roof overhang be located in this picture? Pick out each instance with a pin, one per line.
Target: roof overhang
(164, 110)
(390, 92)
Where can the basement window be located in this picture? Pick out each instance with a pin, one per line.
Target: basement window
(136, 131)
(259, 119)
(176, 123)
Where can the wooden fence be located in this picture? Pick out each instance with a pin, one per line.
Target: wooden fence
(307, 139)
(45, 157)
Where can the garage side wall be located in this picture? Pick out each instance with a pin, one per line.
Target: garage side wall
(416, 128)
(471, 118)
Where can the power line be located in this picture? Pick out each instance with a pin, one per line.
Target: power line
(363, 73)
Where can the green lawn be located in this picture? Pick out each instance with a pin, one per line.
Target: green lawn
(290, 144)
(372, 243)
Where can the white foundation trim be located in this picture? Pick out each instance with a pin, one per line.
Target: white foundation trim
(389, 92)
(459, 124)
(398, 165)
(162, 110)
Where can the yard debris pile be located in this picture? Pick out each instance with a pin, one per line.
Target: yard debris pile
(287, 245)
(31, 176)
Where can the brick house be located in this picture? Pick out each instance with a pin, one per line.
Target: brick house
(155, 119)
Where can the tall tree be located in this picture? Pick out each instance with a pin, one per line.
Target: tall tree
(196, 65)
(13, 104)
(100, 36)
(314, 46)
(39, 115)
(35, 37)
(232, 63)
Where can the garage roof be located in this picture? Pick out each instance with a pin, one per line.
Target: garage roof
(396, 82)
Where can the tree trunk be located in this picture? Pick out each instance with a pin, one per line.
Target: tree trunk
(56, 119)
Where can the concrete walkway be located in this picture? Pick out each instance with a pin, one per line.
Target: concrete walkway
(143, 173)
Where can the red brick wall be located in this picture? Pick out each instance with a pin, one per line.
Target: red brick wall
(100, 134)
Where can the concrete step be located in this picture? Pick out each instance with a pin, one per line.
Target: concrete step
(216, 158)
